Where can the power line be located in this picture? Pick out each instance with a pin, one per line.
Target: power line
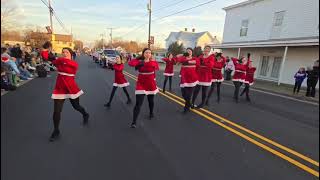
(172, 4)
(184, 10)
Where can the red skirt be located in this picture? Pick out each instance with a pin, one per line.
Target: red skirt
(120, 80)
(146, 84)
(204, 75)
(189, 76)
(239, 76)
(249, 79)
(217, 75)
(66, 87)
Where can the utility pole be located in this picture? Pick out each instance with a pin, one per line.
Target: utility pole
(149, 8)
(102, 40)
(111, 36)
(51, 14)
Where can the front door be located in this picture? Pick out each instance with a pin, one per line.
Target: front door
(270, 67)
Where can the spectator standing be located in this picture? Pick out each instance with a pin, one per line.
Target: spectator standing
(313, 77)
(229, 68)
(299, 77)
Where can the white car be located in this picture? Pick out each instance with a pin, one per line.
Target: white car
(159, 59)
(109, 57)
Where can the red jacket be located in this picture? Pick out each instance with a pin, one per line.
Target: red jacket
(66, 86)
(146, 83)
(216, 70)
(188, 73)
(45, 55)
(204, 70)
(119, 79)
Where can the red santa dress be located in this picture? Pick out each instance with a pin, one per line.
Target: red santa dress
(204, 70)
(66, 86)
(188, 73)
(168, 71)
(119, 79)
(146, 83)
(217, 70)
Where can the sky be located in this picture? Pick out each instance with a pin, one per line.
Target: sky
(88, 19)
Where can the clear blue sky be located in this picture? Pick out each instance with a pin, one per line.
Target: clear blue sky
(90, 18)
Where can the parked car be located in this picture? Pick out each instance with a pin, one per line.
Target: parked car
(109, 58)
(159, 59)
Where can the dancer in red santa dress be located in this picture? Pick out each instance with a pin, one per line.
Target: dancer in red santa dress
(66, 88)
(119, 80)
(189, 76)
(146, 84)
(249, 80)
(217, 77)
(168, 72)
(204, 74)
(239, 75)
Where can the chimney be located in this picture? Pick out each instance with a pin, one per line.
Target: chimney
(185, 29)
(193, 30)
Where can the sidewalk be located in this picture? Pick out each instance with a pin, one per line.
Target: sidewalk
(282, 89)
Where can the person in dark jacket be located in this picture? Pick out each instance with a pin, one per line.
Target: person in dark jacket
(299, 77)
(313, 77)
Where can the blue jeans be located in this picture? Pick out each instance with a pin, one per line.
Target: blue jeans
(25, 74)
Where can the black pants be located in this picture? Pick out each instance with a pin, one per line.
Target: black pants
(237, 86)
(297, 86)
(114, 90)
(186, 94)
(58, 105)
(165, 82)
(228, 74)
(139, 102)
(212, 89)
(196, 92)
(311, 87)
(246, 90)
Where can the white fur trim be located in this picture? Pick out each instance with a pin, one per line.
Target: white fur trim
(217, 80)
(189, 84)
(66, 96)
(168, 74)
(121, 85)
(239, 80)
(247, 82)
(65, 74)
(147, 92)
(205, 83)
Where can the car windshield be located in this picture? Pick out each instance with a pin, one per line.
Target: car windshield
(110, 53)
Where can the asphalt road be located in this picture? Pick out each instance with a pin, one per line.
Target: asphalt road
(270, 138)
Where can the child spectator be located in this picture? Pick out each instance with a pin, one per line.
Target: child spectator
(299, 77)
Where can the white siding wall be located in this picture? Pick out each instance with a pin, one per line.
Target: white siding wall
(301, 20)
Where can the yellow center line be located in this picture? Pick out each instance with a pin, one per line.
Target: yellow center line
(253, 133)
(257, 135)
(298, 164)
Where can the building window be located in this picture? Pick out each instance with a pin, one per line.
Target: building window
(244, 27)
(278, 18)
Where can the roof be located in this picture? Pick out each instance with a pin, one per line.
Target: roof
(304, 41)
(187, 36)
(58, 37)
(241, 4)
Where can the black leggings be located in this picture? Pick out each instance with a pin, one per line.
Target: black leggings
(246, 90)
(196, 92)
(212, 89)
(114, 90)
(237, 86)
(58, 105)
(165, 82)
(139, 102)
(297, 87)
(186, 94)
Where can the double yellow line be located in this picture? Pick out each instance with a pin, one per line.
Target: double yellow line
(209, 116)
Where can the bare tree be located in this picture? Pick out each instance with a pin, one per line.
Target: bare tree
(8, 13)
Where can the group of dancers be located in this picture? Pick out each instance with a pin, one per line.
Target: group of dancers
(197, 73)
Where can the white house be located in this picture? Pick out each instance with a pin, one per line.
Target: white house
(191, 39)
(281, 35)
